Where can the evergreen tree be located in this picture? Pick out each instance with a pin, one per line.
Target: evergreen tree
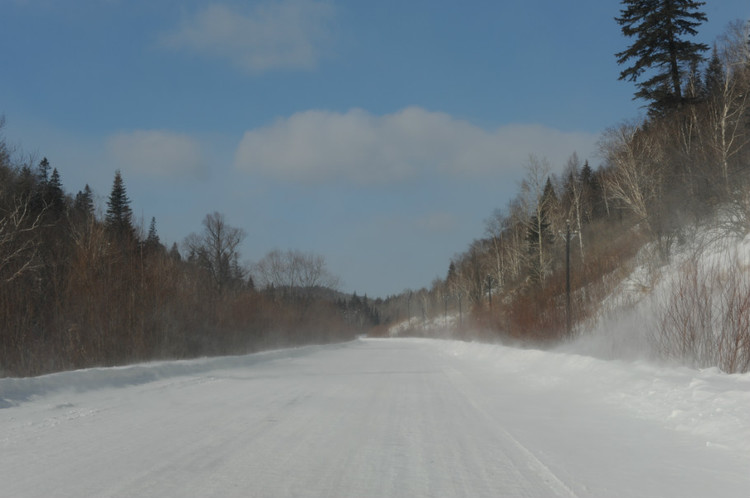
(152, 239)
(539, 234)
(84, 202)
(660, 28)
(4, 151)
(54, 195)
(119, 218)
(541, 228)
(589, 192)
(714, 75)
(174, 253)
(451, 276)
(44, 171)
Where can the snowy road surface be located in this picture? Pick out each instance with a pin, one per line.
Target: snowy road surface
(379, 418)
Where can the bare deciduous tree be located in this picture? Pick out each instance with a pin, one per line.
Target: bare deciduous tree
(728, 106)
(216, 250)
(636, 175)
(576, 200)
(496, 231)
(19, 242)
(293, 269)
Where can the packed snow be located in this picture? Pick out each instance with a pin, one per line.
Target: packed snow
(379, 417)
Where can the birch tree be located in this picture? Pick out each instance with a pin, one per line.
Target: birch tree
(19, 239)
(729, 100)
(575, 197)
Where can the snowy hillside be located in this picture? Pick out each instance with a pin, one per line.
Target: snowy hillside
(379, 417)
(693, 311)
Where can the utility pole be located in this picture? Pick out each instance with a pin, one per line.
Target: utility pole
(445, 310)
(489, 290)
(568, 314)
(460, 311)
(408, 308)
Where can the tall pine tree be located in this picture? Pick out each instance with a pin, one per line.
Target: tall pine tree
(152, 243)
(84, 202)
(55, 196)
(660, 29)
(119, 218)
(714, 80)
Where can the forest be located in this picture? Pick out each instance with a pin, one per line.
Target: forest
(78, 289)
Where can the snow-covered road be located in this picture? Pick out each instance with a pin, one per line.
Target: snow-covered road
(392, 417)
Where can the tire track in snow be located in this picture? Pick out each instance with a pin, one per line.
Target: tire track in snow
(532, 461)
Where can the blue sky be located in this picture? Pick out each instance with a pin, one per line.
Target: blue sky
(378, 134)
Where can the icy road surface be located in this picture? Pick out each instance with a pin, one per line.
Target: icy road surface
(378, 418)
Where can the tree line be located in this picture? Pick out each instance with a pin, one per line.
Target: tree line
(548, 259)
(78, 289)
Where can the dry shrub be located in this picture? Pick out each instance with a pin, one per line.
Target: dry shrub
(539, 313)
(538, 316)
(705, 317)
(606, 265)
(379, 331)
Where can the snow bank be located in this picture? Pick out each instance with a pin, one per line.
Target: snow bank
(16, 390)
(706, 403)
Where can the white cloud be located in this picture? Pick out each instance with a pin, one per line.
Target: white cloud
(275, 35)
(156, 153)
(358, 147)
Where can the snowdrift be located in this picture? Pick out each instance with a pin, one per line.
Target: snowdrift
(16, 390)
(706, 402)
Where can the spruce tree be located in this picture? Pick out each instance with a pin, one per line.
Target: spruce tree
(548, 203)
(152, 236)
(660, 29)
(174, 253)
(84, 202)
(588, 191)
(4, 151)
(452, 275)
(539, 233)
(119, 218)
(714, 75)
(152, 239)
(54, 195)
(44, 171)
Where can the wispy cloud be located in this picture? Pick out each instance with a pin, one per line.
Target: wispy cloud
(288, 34)
(361, 148)
(156, 154)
